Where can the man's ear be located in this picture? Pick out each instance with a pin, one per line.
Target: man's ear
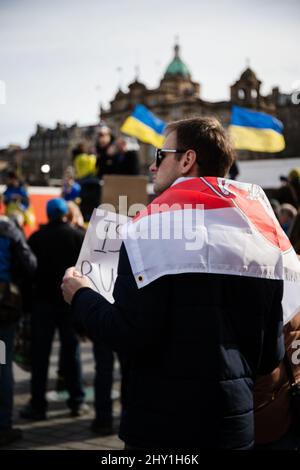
(188, 162)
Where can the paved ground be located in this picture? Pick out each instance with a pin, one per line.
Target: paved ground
(60, 431)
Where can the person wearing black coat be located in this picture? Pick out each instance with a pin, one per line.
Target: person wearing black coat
(17, 262)
(105, 152)
(126, 161)
(55, 245)
(193, 342)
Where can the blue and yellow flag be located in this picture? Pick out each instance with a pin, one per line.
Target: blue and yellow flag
(145, 126)
(257, 131)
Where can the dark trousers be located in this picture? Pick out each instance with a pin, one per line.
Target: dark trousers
(7, 333)
(46, 318)
(90, 196)
(104, 361)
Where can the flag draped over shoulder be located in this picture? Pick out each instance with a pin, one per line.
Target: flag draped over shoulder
(213, 225)
(144, 125)
(252, 130)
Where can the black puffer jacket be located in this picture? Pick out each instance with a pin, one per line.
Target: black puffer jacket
(57, 246)
(194, 343)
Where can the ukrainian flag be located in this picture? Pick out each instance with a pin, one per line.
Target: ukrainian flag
(252, 130)
(145, 126)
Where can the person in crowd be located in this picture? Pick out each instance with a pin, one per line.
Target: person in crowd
(105, 151)
(16, 262)
(294, 180)
(277, 424)
(15, 192)
(74, 216)
(102, 425)
(125, 160)
(234, 171)
(289, 192)
(84, 162)
(85, 174)
(191, 363)
(55, 245)
(275, 206)
(16, 199)
(294, 234)
(286, 216)
(70, 189)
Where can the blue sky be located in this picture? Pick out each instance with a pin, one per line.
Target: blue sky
(60, 59)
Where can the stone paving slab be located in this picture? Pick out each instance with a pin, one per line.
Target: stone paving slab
(60, 431)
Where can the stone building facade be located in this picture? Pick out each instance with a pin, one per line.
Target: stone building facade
(11, 158)
(176, 97)
(54, 148)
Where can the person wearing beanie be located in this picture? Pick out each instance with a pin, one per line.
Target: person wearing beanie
(55, 245)
(56, 209)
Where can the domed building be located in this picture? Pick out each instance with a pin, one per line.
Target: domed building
(178, 96)
(177, 66)
(176, 86)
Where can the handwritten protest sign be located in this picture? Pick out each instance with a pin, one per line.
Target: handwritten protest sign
(99, 255)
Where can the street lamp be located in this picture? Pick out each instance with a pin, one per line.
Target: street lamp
(45, 169)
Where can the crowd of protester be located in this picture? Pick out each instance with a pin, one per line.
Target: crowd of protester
(112, 156)
(43, 259)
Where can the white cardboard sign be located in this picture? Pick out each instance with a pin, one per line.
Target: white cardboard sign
(99, 255)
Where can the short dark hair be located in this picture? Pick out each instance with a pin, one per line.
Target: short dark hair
(79, 149)
(12, 175)
(208, 138)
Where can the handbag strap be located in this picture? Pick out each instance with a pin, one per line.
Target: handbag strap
(289, 369)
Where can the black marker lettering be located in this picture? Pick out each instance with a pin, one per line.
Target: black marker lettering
(111, 280)
(88, 267)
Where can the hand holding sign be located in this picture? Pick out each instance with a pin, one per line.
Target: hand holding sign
(72, 282)
(99, 255)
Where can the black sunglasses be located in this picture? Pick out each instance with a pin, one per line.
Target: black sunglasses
(160, 154)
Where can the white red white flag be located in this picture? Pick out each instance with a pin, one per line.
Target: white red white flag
(213, 225)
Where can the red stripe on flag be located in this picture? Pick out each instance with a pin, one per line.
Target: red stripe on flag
(211, 195)
(263, 222)
(192, 193)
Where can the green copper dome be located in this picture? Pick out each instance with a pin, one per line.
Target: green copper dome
(177, 67)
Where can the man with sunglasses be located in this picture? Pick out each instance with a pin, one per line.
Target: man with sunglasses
(195, 334)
